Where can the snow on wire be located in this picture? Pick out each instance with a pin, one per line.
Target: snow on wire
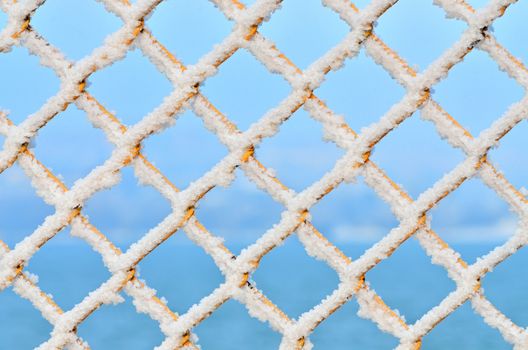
(237, 270)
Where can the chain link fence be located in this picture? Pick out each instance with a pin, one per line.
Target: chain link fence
(295, 219)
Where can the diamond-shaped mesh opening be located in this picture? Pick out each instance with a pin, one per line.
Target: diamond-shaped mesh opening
(240, 213)
(473, 219)
(464, 329)
(285, 152)
(69, 25)
(353, 217)
(506, 157)
(181, 272)
(231, 327)
(411, 28)
(508, 27)
(68, 261)
(409, 282)
(505, 287)
(418, 161)
(344, 328)
(127, 211)
(130, 88)
(25, 85)
(476, 92)
(244, 90)
(21, 210)
(120, 327)
(362, 91)
(292, 279)
(21, 325)
(70, 146)
(304, 30)
(177, 16)
(185, 151)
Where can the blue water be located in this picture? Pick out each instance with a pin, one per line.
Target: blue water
(183, 274)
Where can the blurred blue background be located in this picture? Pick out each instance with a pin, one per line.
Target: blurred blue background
(473, 219)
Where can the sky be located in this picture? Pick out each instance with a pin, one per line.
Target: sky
(476, 92)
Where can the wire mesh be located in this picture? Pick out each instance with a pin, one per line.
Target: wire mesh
(295, 219)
